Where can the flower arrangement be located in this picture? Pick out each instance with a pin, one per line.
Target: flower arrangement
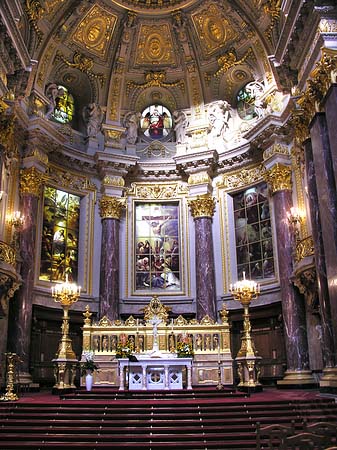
(184, 348)
(124, 347)
(88, 364)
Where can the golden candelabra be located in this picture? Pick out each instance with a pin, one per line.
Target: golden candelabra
(12, 360)
(65, 362)
(66, 294)
(245, 291)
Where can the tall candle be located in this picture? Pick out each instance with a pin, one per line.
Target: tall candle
(172, 325)
(137, 324)
(219, 353)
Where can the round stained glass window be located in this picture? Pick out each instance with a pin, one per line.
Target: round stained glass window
(156, 122)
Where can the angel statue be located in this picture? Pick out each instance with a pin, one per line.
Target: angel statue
(53, 92)
(92, 116)
(131, 123)
(219, 115)
(180, 124)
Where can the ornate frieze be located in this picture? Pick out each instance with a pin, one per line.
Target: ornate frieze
(278, 177)
(202, 206)
(242, 178)
(199, 178)
(116, 181)
(31, 181)
(154, 79)
(111, 207)
(158, 191)
(155, 45)
(276, 149)
(95, 30)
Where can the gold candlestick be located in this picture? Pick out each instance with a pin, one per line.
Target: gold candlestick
(10, 395)
(245, 291)
(66, 294)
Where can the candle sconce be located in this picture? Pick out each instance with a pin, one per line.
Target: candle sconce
(16, 220)
(295, 218)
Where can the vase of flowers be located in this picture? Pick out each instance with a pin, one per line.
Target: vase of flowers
(184, 348)
(87, 369)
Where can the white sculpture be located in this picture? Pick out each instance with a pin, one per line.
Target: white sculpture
(53, 91)
(219, 115)
(155, 321)
(92, 116)
(180, 124)
(131, 123)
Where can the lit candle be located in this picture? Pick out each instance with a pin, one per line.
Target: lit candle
(172, 325)
(137, 322)
(219, 353)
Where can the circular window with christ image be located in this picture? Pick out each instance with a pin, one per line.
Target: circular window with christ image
(156, 122)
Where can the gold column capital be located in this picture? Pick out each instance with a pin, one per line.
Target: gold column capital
(278, 177)
(111, 207)
(202, 206)
(31, 181)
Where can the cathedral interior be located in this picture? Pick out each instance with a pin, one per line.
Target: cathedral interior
(169, 149)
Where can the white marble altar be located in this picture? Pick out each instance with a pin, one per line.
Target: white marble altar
(156, 373)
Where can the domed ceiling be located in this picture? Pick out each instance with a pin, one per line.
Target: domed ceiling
(127, 54)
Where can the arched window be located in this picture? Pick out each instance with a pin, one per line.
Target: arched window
(64, 106)
(156, 122)
(59, 245)
(253, 233)
(248, 103)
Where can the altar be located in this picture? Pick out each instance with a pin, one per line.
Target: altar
(148, 373)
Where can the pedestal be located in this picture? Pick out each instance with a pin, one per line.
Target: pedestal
(64, 372)
(249, 372)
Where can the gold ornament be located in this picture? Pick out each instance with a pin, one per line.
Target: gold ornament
(202, 206)
(7, 254)
(31, 181)
(111, 207)
(279, 178)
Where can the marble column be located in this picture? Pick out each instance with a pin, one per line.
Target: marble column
(330, 106)
(293, 308)
(327, 206)
(202, 209)
(21, 307)
(328, 350)
(111, 212)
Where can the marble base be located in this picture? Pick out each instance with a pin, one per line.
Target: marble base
(329, 379)
(297, 379)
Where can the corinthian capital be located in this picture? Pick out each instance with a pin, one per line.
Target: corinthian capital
(202, 206)
(278, 177)
(111, 207)
(31, 181)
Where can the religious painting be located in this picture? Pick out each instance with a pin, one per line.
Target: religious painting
(60, 232)
(157, 247)
(253, 233)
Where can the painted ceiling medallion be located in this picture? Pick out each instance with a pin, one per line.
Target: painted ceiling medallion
(153, 5)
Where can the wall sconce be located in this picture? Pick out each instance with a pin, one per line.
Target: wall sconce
(16, 220)
(295, 218)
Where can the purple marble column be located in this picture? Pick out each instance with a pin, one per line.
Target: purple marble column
(326, 192)
(330, 107)
(21, 307)
(293, 307)
(204, 264)
(109, 278)
(328, 352)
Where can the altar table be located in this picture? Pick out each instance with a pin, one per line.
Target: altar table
(155, 373)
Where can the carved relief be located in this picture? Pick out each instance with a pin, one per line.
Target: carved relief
(155, 45)
(213, 29)
(95, 31)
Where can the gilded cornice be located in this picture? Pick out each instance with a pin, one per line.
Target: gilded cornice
(276, 149)
(72, 180)
(278, 177)
(157, 191)
(116, 181)
(31, 181)
(199, 178)
(202, 206)
(241, 178)
(111, 207)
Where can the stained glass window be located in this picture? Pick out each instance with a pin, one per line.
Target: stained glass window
(59, 245)
(157, 246)
(253, 233)
(64, 108)
(156, 122)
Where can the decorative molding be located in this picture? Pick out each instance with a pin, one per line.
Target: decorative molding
(154, 79)
(158, 191)
(304, 248)
(82, 63)
(242, 178)
(7, 254)
(31, 181)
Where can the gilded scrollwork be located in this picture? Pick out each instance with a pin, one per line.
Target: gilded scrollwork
(31, 181)
(94, 32)
(304, 248)
(111, 207)
(229, 60)
(82, 63)
(156, 308)
(159, 191)
(154, 79)
(202, 206)
(244, 177)
(279, 177)
(155, 45)
(7, 254)
(213, 28)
